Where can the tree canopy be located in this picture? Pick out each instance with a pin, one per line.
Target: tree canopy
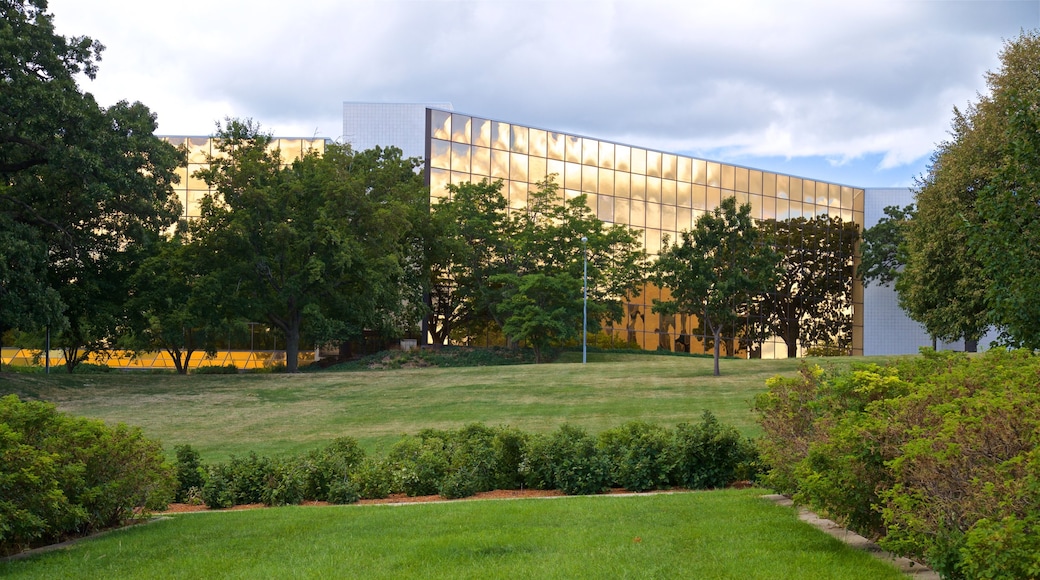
(717, 269)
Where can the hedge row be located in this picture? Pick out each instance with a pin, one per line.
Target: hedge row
(62, 475)
(458, 463)
(937, 456)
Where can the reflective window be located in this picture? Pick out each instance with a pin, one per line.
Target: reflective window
(728, 181)
(606, 155)
(439, 179)
(846, 198)
(638, 213)
(622, 158)
(518, 167)
(572, 176)
(683, 219)
(480, 160)
(684, 169)
(668, 191)
(481, 132)
(809, 191)
(668, 218)
(500, 164)
(653, 215)
(653, 190)
(653, 242)
(700, 172)
(638, 186)
(741, 179)
(517, 195)
(590, 151)
(769, 184)
(538, 141)
(458, 178)
(639, 161)
(518, 139)
(556, 146)
(459, 157)
(653, 164)
(536, 169)
(440, 154)
(714, 174)
(606, 182)
(589, 179)
(460, 128)
(573, 149)
(440, 125)
(554, 167)
(621, 210)
(623, 184)
(198, 149)
(714, 198)
(668, 169)
(605, 209)
(834, 197)
(500, 136)
(683, 195)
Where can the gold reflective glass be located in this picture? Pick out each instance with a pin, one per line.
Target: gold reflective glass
(653, 242)
(834, 195)
(653, 215)
(683, 194)
(809, 191)
(440, 124)
(638, 213)
(742, 198)
(683, 219)
(796, 210)
(769, 184)
(668, 163)
(846, 198)
(605, 209)
(517, 195)
(460, 157)
(622, 158)
(536, 170)
(439, 179)
(700, 172)
(638, 188)
(500, 164)
(440, 154)
(783, 187)
(573, 149)
(518, 167)
(480, 161)
(518, 139)
(728, 181)
(794, 192)
(668, 218)
(653, 164)
(572, 176)
(621, 210)
(606, 155)
(538, 141)
(606, 182)
(194, 182)
(756, 206)
(458, 177)
(554, 167)
(741, 179)
(700, 197)
(592, 201)
(460, 129)
(668, 191)
(290, 149)
(198, 149)
(623, 184)
(714, 198)
(589, 151)
(714, 174)
(481, 132)
(500, 136)
(639, 161)
(653, 190)
(684, 169)
(556, 147)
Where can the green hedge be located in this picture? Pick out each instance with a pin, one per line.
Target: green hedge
(62, 475)
(937, 456)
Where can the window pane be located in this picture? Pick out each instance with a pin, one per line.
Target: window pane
(668, 218)
(555, 146)
(683, 220)
(537, 140)
(623, 184)
(700, 197)
(653, 164)
(606, 182)
(518, 167)
(684, 191)
(480, 161)
(500, 136)
(590, 151)
(440, 124)
(621, 206)
(728, 180)
(783, 187)
(481, 132)
(653, 215)
(638, 213)
(590, 179)
(440, 154)
(518, 139)
(653, 190)
(714, 174)
(460, 157)
(639, 161)
(769, 184)
(638, 186)
(667, 192)
(606, 155)
(555, 167)
(572, 176)
(755, 182)
(573, 149)
(439, 179)
(536, 169)
(623, 158)
(517, 195)
(460, 128)
(500, 164)
(741, 183)
(606, 208)
(668, 162)
(714, 198)
(809, 191)
(684, 171)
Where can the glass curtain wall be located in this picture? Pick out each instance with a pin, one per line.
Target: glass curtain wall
(656, 193)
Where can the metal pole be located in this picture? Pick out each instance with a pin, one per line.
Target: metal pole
(585, 299)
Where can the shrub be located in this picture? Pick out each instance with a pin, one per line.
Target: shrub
(419, 464)
(640, 455)
(567, 459)
(189, 472)
(372, 480)
(63, 475)
(228, 369)
(710, 455)
(331, 467)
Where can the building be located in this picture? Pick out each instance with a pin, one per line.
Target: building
(656, 192)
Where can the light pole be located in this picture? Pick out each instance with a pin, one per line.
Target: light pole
(585, 297)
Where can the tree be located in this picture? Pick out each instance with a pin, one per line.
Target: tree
(812, 301)
(883, 251)
(83, 185)
(717, 269)
(319, 245)
(1005, 234)
(541, 309)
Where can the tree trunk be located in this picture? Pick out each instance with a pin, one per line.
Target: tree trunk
(718, 347)
(292, 343)
(971, 345)
(791, 338)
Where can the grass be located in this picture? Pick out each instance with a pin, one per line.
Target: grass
(272, 414)
(727, 534)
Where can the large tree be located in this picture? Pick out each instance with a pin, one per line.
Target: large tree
(812, 301)
(320, 245)
(717, 269)
(82, 185)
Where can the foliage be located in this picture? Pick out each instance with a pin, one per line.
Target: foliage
(328, 472)
(85, 186)
(1006, 233)
(228, 369)
(710, 455)
(807, 307)
(883, 251)
(641, 455)
(717, 270)
(936, 455)
(445, 357)
(567, 459)
(62, 475)
(189, 472)
(540, 309)
(316, 247)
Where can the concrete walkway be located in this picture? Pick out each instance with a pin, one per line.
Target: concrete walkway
(907, 566)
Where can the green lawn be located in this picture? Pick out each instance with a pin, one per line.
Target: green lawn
(725, 534)
(271, 414)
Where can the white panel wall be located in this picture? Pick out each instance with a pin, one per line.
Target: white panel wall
(402, 125)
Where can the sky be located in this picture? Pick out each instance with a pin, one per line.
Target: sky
(857, 93)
